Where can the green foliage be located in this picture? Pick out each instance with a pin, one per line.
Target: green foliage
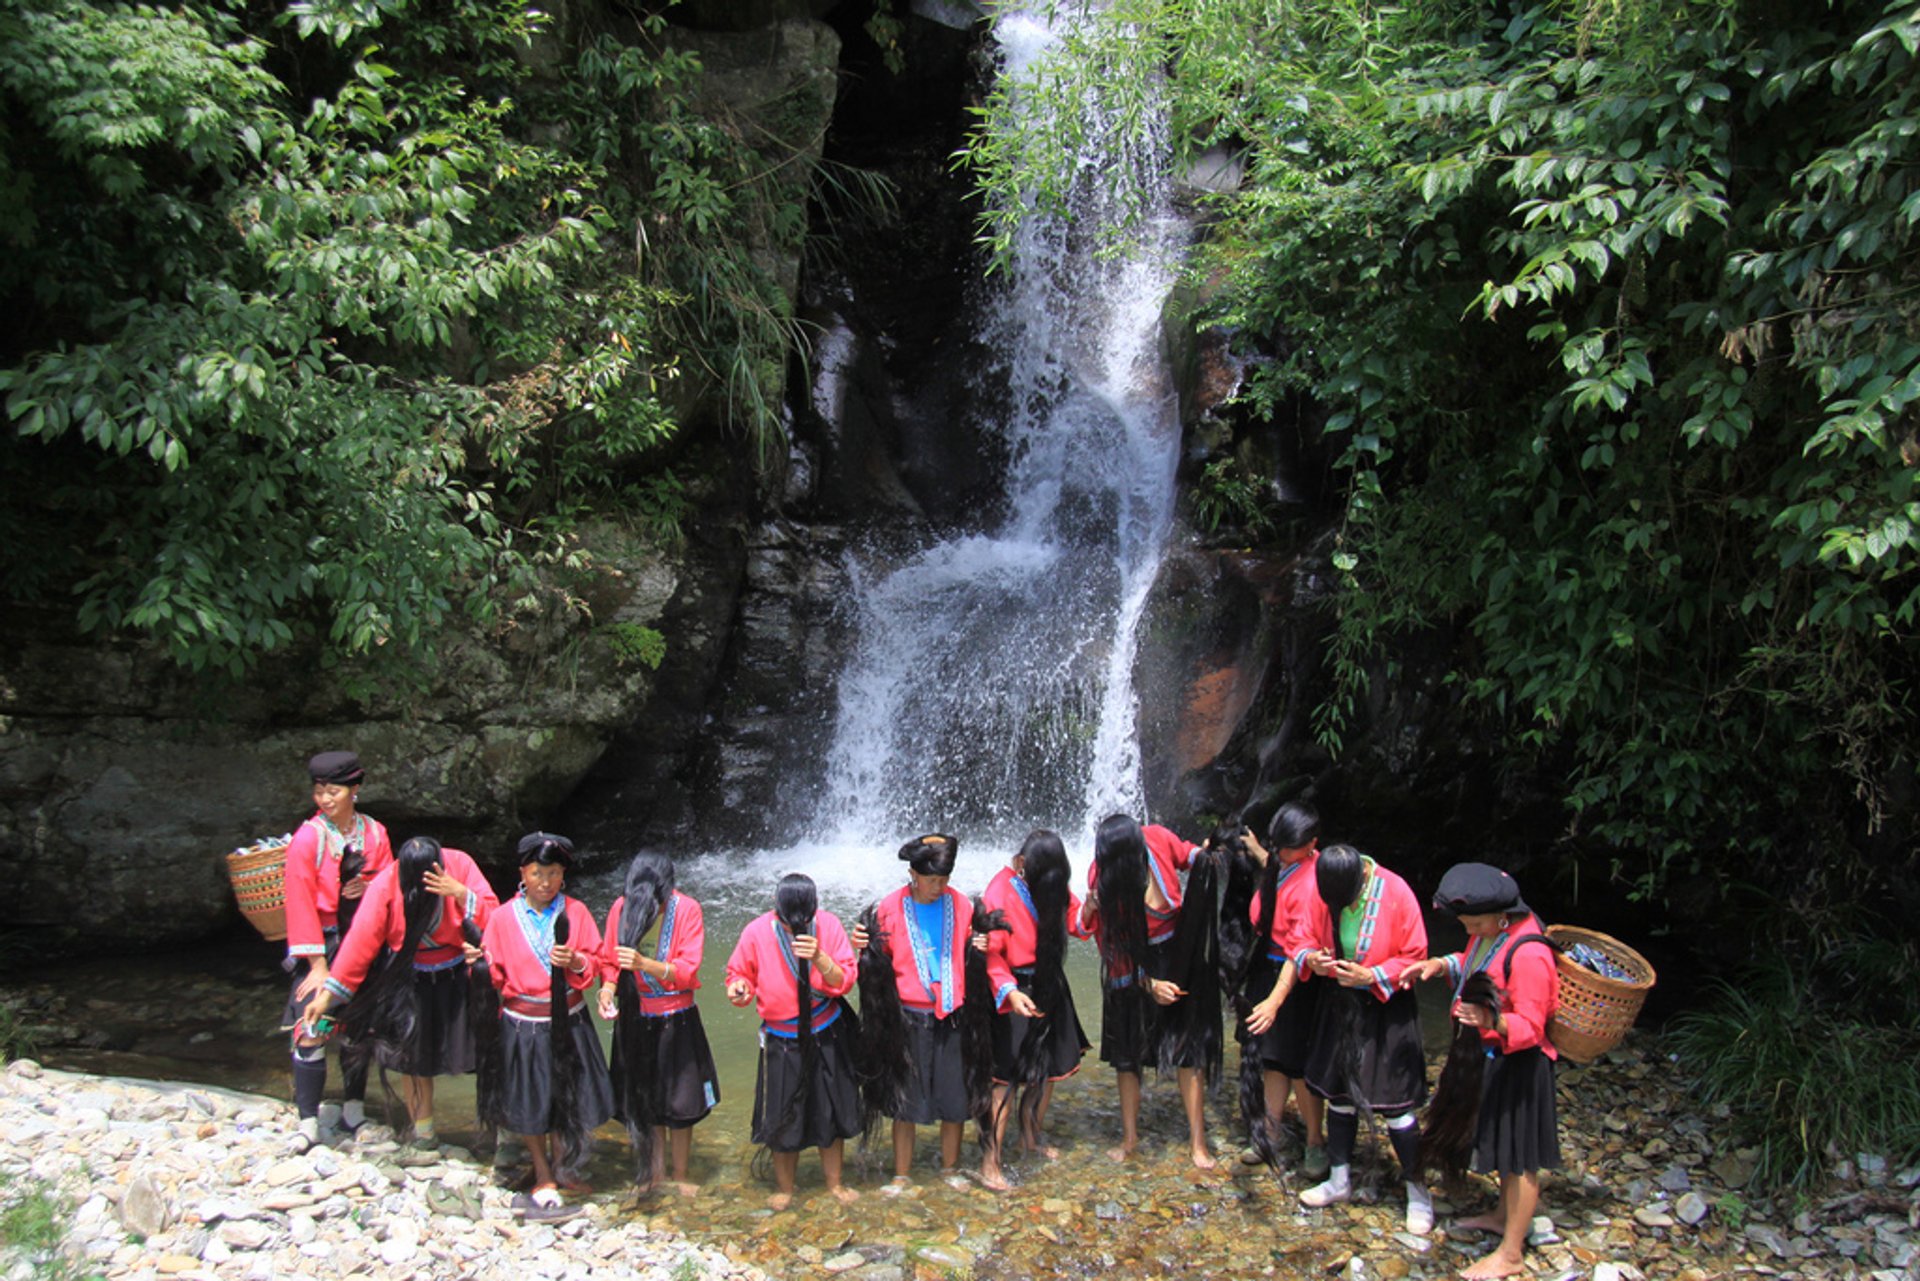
(1608, 308)
(1813, 1060)
(633, 643)
(19, 1038)
(32, 1229)
(320, 311)
(1226, 495)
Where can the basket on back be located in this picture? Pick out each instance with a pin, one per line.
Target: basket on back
(258, 874)
(1595, 1009)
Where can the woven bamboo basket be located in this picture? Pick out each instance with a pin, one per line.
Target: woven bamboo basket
(258, 874)
(1595, 1011)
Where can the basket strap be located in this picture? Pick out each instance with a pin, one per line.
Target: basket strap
(1514, 945)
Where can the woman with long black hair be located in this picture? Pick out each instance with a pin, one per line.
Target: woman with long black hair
(1280, 1020)
(332, 858)
(664, 1080)
(912, 991)
(411, 1015)
(1135, 913)
(1365, 1053)
(795, 964)
(543, 949)
(1037, 1037)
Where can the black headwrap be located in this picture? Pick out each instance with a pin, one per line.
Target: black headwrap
(545, 848)
(1478, 889)
(342, 768)
(931, 855)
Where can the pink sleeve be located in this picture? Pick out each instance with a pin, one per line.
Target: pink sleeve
(1074, 928)
(304, 934)
(833, 938)
(1531, 994)
(367, 936)
(1408, 945)
(609, 941)
(584, 937)
(379, 851)
(689, 946)
(741, 963)
(482, 902)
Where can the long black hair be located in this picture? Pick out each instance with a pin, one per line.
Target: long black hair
(649, 888)
(385, 1013)
(796, 901)
(1048, 878)
(976, 1023)
(1121, 873)
(1193, 1022)
(483, 1017)
(1340, 873)
(1293, 825)
(880, 1052)
(1453, 1115)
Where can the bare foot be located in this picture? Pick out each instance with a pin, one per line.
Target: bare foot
(1493, 1266)
(1491, 1221)
(1121, 1153)
(1203, 1159)
(994, 1180)
(686, 1189)
(896, 1185)
(844, 1195)
(779, 1201)
(1036, 1144)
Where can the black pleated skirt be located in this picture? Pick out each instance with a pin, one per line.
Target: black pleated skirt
(1283, 1047)
(681, 1083)
(1132, 1025)
(1064, 1039)
(936, 1085)
(526, 1074)
(1519, 1129)
(442, 1041)
(792, 1110)
(1367, 1052)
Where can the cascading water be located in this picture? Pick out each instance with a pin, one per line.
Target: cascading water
(989, 690)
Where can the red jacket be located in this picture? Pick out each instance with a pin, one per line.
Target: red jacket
(682, 943)
(381, 922)
(944, 992)
(312, 879)
(1012, 949)
(764, 963)
(1296, 894)
(1393, 935)
(524, 973)
(1168, 855)
(1529, 993)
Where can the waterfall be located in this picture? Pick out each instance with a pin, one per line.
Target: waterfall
(990, 690)
(989, 687)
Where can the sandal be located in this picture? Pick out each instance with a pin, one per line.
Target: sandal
(543, 1205)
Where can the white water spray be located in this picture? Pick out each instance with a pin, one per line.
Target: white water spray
(989, 690)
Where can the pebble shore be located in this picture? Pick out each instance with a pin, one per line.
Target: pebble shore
(198, 1183)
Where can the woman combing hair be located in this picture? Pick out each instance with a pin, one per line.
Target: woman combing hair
(543, 950)
(400, 973)
(1037, 1037)
(1282, 1010)
(1516, 1128)
(1365, 1053)
(663, 1073)
(795, 964)
(1133, 911)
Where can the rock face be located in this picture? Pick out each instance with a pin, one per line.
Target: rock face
(124, 781)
